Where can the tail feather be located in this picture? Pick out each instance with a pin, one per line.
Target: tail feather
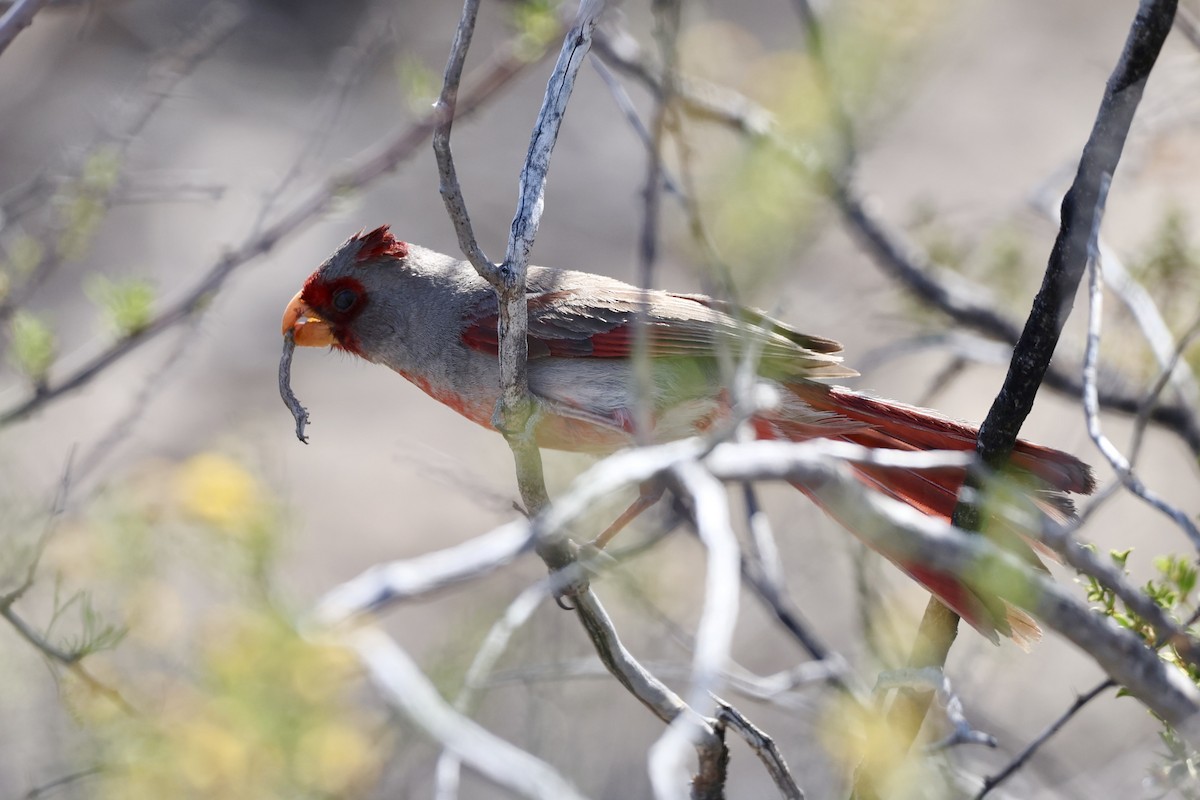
(927, 430)
(872, 422)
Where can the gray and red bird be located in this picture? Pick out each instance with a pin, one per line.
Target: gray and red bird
(431, 318)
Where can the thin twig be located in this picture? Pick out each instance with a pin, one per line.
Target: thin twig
(385, 584)
(1030, 749)
(58, 783)
(1091, 405)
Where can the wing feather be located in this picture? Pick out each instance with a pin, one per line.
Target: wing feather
(576, 315)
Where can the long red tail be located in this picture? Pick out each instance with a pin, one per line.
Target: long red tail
(849, 416)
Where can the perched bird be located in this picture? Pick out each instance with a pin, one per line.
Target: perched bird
(431, 318)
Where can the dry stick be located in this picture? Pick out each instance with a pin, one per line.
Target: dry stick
(1023, 757)
(18, 17)
(495, 74)
(714, 635)
(780, 690)
(1034, 349)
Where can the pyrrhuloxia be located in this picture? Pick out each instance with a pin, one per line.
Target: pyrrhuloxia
(432, 319)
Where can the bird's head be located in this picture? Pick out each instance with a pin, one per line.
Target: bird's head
(337, 304)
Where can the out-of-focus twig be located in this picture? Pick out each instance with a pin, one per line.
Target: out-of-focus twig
(494, 644)
(408, 690)
(17, 18)
(935, 679)
(49, 787)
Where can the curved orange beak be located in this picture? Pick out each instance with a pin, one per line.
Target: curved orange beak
(308, 329)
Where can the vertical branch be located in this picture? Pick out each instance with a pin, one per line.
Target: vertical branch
(1036, 345)
(516, 414)
(1068, 259)
(444, 108)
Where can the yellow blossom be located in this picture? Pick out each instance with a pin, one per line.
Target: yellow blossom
(217, 490)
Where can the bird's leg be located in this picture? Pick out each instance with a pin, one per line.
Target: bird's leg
(649, 493)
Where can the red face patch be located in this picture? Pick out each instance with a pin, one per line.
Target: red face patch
(337, 303)
(379, 243)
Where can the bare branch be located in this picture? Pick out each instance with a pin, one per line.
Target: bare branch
(780, 689)
(385, 584)
(1068, 259)
(410, 692)
(49, 787)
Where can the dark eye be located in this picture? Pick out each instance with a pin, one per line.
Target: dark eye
(344, 299)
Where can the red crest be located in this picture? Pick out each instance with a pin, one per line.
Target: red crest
(379, 243)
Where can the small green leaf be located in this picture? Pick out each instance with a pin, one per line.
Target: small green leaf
(418, 82)
(128, 304)
(536, 22)
(34, 346)
(102, 170)
(1119, 557)
(25, 253)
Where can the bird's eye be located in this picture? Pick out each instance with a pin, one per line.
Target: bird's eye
(344, 299)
